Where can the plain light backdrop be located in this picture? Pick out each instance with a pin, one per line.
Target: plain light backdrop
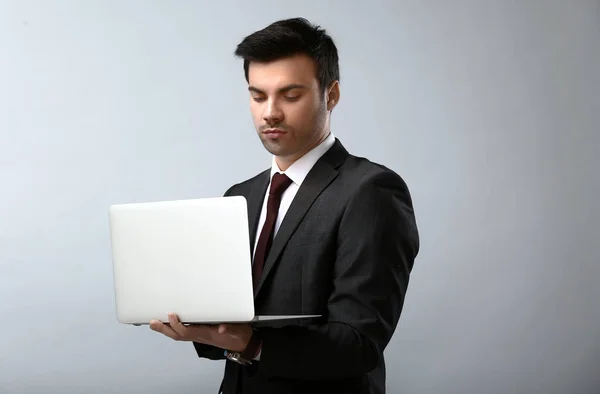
(490, 110)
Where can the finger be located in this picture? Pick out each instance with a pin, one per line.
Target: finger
(162, 328)
(181, 329)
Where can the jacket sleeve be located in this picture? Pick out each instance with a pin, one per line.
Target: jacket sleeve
(208, 351)
(377, 244)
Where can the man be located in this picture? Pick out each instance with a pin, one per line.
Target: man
(344, 243)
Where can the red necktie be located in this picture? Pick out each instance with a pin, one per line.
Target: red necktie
(279, 183)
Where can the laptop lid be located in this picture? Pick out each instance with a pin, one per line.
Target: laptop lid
(190, 257)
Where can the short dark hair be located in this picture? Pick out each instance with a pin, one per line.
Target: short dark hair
(289, 37)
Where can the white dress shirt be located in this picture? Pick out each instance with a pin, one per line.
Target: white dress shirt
(296, 172)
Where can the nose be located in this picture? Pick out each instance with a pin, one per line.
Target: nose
(273, 113)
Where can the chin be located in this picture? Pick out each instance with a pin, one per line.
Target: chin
(273, 147)
(275, 150)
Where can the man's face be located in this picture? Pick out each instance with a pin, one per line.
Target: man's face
(289, 112)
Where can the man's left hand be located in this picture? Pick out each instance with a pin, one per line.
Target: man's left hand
(233, 337)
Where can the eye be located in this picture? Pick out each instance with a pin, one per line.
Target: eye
(292, 98)
(258, 99)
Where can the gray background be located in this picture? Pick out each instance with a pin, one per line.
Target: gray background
(489, 110)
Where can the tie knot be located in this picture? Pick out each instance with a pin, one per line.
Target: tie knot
(279, 183)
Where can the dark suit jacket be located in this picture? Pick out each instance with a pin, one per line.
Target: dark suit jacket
(344, 250)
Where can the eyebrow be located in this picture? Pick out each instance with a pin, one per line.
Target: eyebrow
(281, 90)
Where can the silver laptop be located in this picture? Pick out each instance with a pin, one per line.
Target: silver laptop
(190, 257)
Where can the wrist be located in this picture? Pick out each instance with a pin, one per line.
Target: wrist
(250, 351)
(252, 347)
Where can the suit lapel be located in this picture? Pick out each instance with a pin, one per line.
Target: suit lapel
(320, 176)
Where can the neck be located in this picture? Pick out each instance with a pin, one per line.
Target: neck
(284, 162)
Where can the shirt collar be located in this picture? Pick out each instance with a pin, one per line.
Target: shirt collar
(301, 167)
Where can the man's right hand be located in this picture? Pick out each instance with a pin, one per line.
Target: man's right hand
(233, 337)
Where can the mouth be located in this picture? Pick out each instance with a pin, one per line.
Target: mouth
(273, 132)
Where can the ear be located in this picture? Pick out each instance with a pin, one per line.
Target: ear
(333, 95)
